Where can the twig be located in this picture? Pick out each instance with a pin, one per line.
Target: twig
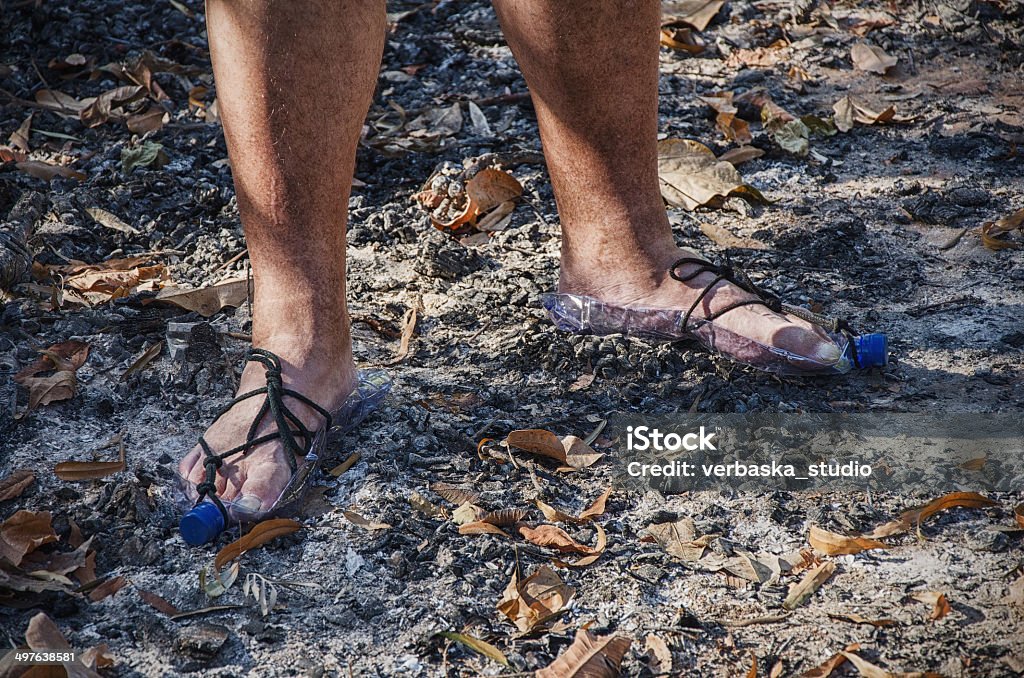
(231, 261)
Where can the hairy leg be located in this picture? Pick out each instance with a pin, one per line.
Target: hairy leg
(294, 82)
(597, 107)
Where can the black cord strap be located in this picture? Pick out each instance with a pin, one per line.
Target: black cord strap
(738, 277)
(284, 418)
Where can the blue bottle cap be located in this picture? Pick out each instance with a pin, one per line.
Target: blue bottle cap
(202, 524)
(872, 350)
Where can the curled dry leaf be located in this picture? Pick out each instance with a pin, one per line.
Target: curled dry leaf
(833, 544)
(15, 484)
(873, 59)
(534, 602)
(467, 513)
(570, 450)
(602, 542)
(91, 284)
(589, 656)
(738, 156)
(43, 635)
(992, 230)
(855, 618)
(23, 533)
(915, 517)
(256, 537)
(144, 359)
(362, 522)
(477, 645)
(595, 510)
(505, 517)
(480, 527)
(681, 38)
(940, 606)
(696, 13)
(64, 358)
(691, 176)
(1018, 514)
(423, 505)
(727, 119)
(207, 300)
(811, 582)
(157, 602)
(47, 172)
(555, 538)
(107, 589)
(74, 471)
(847, 111)
(826, 668)
(454, 494)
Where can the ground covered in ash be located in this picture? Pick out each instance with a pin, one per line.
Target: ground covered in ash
(879, 224)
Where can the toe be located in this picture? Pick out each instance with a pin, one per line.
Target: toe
(806, 340)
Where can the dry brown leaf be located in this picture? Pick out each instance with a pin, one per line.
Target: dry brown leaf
(696, 13)
(873, 59)
(505, 517)
(589, 656)
(110, 220)
(467, 513)
(101, 109)
(533, 602)
(144, 359)
(259, 535)
(98, 657)
(991, 230)
(362, 522)
(75, 471)
(107, 589)
(158, 603)
(915, 517)
(43, 635)
(50, 389)
(726, 238)
(91, 284)
(86, 574)
(480, 527)
(833, 544)
(423, 505)
(691, 176)
(597, 507)
(349, 462)
(679, 539)
(454, 494)
(738, 156)
(869, 670)
(811, 582)
(23, 533)
(555, 538)
(595, 510)
(1018, 514)
(940, 606)
(602, 542)
(537, 441)
(752, 673)
(855, 618)
(47, 172)
(15, 484)
(681, 38)
(19, 137)
(578, 454)
(207, 300)
(847, 111)
(62, 103)
(727, 120)
(659, 655)
(825, 669)
(151, 120)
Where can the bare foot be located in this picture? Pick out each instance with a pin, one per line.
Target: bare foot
(262, 473)
(646, 283)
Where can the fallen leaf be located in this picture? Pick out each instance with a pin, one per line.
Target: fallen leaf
(488, 190)
(940, 606)
(23, 533)
(589, 656)
(47, 172)
(869, 58)
(98, 657)
(107, 589)
(349, 462)
(578, 454)
(408, 330)
(847, 111)
(114, 223)
(826, 668)
(43, 635)
(13, 485)
(869, 670)
(144, 359)
(467, 513)
(455, 495)
(738, 156)
(423, 505)
(157, 602)
(598, 549)
(362, 522)
(258, 536)
(679, 539)
(112, 279)
(64, 104)
(102, 107)
(727, 120)
(555, 538)
(477, 645)
(151, 120)
(219, 583)
(533, 602)
(1018, 514)
(833, 544)
(659, 656)
(75, 471)
(681, 38)
(696, 13)
(505, 517)
(991, 230)
(19, 137)
(537, 441)
(855, 618)
(146, 154)
(811, 582)
(691, 176)
(752, 673)
(725, 238)
(481, 527)
(206, 301)
(909, 519)
(595, 510)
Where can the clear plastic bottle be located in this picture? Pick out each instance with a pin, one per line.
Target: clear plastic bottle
(203, 522)
(586, 315)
